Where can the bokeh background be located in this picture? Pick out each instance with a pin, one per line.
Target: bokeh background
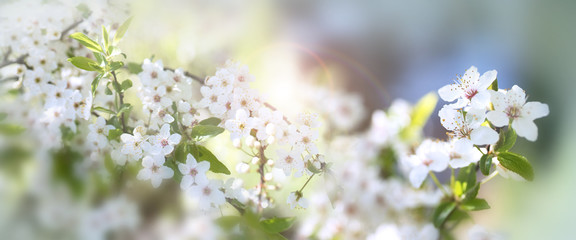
(400, 49)
(385, 50)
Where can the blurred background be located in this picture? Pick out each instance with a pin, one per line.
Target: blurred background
(383, 50)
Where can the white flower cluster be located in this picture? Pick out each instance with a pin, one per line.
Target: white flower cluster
(251, 121)
(363, 202)
(472, 121)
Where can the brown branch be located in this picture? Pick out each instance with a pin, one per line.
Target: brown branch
(261, 169)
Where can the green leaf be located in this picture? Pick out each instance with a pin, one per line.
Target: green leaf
(494, 85)
(114, 134)
(9, 129)
(134, 68)
(126, 107)
(100, 59)
(277, 225)
(228, 222)
(104, 110)
(95, 84)
(476, 204)
(206, 131)
(84, 63)
(214, 121)
(181, 152)
(471, 193)
(516, 163)
(467, 175)
(122, 30)
(203, 154)
(485, 164)
(86, 41)
(126, 85)
(506, 141)
(105, 37)
(442, 212)
(116, 65)
(117, 86)
(107, 90)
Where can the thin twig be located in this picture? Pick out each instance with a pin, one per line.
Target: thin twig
(188, 74)
(69, 28)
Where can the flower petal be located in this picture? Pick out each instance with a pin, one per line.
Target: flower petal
(450, 92)
(484, 135)
(525, 128)
(498, 118)
(418, 175)
(486, 79)
(144, 174)
(534, 110)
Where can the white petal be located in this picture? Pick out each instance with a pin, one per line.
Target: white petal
(184, 169)
(450, 92)
(186, 182)
(481, 99)
(459, 163)
(484, 135)
(498, 118)
(147, 162)
(174, 138)
(203, 166)
(417, 175)
(534, 110)
(525, 128)
(448, 118)
(144, 174)
(516, 96)
(166, 172)
(156, 180)
(439, 161)
(486, 79)
(475, 117)
(498, 100)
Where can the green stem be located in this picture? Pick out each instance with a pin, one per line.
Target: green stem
(433, 176)
(307, 181)
(492, 175)
(121, 99)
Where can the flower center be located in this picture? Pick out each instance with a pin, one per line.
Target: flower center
(513, 112)
(289, 159)
(193, 172)
(470, 93)
(164, 142)
(157, 98)
(206, 191)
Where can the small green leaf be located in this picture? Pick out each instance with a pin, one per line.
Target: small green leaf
(104, 110)
(467, 176)
(117, 86)
(107, 90)
(442, 212)
(126, 85)
(506, 141)
(277, 225)
(86, 41)
(516, 163)
(476, 204)
(206, 131)
(114, 134)
(95, 84)
(214, 121)
(134, 68)
(472, 192)
(116, 65)
(105, 37)
(203, 154)
(485, 164)
(9, 129)
(100, 59)
(84, 63)
(122, 30)
(494, 85)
